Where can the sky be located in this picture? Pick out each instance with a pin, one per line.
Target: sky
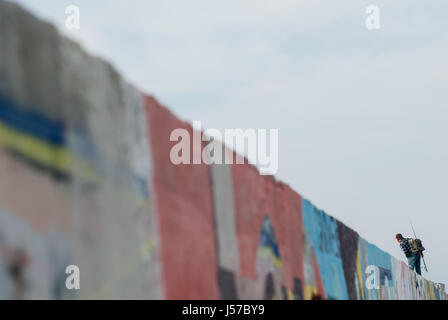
(361, 114)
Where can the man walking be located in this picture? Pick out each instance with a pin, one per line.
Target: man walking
(411, 252)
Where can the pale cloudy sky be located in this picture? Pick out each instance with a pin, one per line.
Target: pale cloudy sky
(362, 115)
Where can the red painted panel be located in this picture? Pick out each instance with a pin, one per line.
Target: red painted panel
(183, 201)
(254, 199)
(288, 213)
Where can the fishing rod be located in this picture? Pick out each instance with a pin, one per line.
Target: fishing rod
(415, 235)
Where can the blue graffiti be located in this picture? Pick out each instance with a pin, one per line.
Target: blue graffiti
(322, 231)
(267, 237)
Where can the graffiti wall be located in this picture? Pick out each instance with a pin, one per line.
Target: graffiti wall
(86, 180)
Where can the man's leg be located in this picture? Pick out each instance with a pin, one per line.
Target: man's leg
(411, 262)
(418, 264)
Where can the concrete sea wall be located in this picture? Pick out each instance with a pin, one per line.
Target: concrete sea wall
(86, 180)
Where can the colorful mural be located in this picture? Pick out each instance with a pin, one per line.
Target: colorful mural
(86, 179)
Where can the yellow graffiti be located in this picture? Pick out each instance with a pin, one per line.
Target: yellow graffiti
(359, 272)
(290, 295)
(310, 292)
(44, 153)
(267, 252)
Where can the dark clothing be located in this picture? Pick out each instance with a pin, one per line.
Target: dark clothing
(413, 258)
(414, 262)
(404, 245)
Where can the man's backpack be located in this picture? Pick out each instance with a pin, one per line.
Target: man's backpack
(416, 245)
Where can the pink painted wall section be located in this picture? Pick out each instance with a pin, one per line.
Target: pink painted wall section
(183, 202)
(47, 204)
(254, 199)
(289, 216)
